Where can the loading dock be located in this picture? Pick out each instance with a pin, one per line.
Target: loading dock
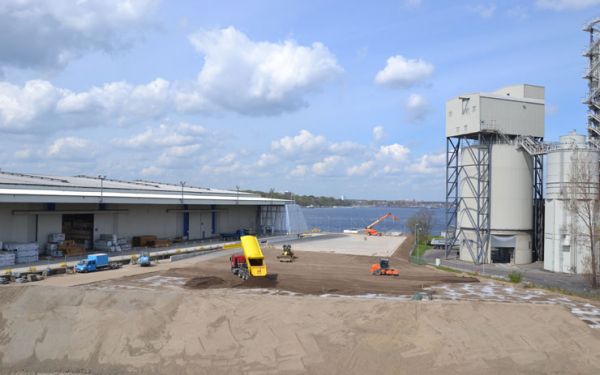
(79, 228)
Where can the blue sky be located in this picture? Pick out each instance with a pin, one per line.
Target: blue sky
(325, 98)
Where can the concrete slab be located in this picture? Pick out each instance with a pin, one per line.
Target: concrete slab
(353, 244)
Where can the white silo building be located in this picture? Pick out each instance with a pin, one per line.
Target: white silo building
(494, 185)
(572, 183)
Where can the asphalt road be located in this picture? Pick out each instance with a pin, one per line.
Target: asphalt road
(533, 273)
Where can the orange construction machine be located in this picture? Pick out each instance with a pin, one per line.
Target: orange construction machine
(373, 232)
(383, 268)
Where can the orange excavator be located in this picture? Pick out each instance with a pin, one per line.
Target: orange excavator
(373, 232)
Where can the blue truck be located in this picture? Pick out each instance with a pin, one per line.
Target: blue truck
(94, 262)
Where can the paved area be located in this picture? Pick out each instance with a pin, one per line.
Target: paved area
(498, 292)
(175, 249)
(533, 273)
(351, 244)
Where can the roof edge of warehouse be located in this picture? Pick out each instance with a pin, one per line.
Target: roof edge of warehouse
(38, 188)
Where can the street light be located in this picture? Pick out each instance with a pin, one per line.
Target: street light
(102, 178)
(182, 183)
(417, 227)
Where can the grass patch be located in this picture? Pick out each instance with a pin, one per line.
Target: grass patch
(421, 249)
(448, 269)
(515, 277)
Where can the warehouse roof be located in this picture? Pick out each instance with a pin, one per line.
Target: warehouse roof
(24, 187)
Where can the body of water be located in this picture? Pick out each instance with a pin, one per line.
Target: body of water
(336, 219)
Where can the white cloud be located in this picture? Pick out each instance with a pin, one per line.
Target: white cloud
(400, 72)
(266, 160)
(119, 99)
(416, 108)
(39, 103)
(429, 164)
(258, 78)
(23, 153)
(151, 171)
(49, 34)
(360, 169)
(566, 4)
(304, 142)
(345, 148)
(239, 75)
(326, 166)
(413, 3)
(21, 105)
(378, 133)
(519, 12)
(70, 147)
(299, 171)
(228, 164)
(181, 151)
(395, 152)
(484, 10)
(164, 135)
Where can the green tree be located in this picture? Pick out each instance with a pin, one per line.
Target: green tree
(423, 221)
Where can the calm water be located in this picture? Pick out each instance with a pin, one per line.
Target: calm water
(340, 218)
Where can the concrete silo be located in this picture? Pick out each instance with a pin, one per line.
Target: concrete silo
(572, 183)
(494, 184)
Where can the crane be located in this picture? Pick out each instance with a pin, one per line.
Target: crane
(373, 232)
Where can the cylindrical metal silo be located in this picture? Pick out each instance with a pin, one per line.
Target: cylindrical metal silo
(572, 176)
(510, 202)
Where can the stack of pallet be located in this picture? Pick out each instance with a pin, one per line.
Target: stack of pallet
(7, 258)
(52, 246)
(24, 252)
(143, 241)
(70, 248)
(160, 243)
(124, 244)
(112, 243)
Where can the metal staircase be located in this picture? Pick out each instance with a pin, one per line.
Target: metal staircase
(592, 75)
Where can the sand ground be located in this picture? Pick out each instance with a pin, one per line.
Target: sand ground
(325, 314)
(53, 329)
(352, 244)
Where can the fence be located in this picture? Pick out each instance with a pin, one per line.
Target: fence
(416, 259)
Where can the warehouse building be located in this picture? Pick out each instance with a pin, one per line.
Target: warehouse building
(32, 207)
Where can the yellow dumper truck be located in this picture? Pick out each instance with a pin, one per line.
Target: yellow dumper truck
(251, 262)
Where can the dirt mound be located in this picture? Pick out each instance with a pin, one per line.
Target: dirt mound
(260, 282)
(204, 282)
(312, 273)
(64, 330)
(403, 251)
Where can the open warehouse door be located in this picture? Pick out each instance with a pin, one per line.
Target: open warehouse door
(79, 228)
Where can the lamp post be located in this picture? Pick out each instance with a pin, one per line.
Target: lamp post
(417, 227)
(102, 178)
(182, 183)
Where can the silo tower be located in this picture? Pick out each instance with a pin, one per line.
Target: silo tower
(572, 185)
(592, 75)
(494, 177)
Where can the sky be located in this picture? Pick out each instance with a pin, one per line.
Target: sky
(313, 97)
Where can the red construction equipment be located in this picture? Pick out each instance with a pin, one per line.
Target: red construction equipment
(383, 268)
(373, 232)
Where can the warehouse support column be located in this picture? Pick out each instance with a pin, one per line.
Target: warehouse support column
(213, 218)
(186, 222)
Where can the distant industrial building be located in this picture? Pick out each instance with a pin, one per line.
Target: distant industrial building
(496, 208)
(32, 207)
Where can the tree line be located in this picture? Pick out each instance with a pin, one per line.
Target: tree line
(325, 201)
